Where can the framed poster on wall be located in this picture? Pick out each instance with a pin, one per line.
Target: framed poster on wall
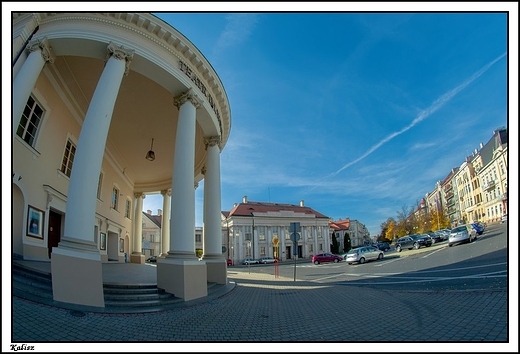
(35, 222)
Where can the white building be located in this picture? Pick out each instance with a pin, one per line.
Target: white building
(255, 229)
(109, 107)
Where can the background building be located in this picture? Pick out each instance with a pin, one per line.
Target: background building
(256, 229)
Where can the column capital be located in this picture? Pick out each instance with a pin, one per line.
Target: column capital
(43, 46)
(185, 97)
(166, 192)
(140, 195)
(212, 141)
(120, 53)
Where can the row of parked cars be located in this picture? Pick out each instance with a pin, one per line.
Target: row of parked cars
(459, 234)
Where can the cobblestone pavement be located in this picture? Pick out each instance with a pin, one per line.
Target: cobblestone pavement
(263, 309)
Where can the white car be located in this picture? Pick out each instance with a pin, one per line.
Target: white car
(504, 218)
(265, 260)
(248, 261)
(364, 254)
(462, 234)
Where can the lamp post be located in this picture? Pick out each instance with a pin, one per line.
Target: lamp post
(253, 235)
(248, 244)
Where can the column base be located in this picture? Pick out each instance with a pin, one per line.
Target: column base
(216, 269)
(77, 277)
(137, 258)
(185, 279)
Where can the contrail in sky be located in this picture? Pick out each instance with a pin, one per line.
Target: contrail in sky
(437, 104)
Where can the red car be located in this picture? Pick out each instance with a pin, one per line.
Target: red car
(229, 262)
(325, 258)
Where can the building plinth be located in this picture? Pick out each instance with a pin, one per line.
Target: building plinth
(186, 279)
(77, 277)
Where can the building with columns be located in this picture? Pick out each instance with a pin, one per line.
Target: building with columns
(109, 107)
(257, 229)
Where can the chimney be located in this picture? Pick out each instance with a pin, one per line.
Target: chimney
(301, 203)
(159, 212)
(149, 212)
(244, 199)
(481, 145)
(235, 205)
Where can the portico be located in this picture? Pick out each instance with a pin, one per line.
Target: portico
(107, 91)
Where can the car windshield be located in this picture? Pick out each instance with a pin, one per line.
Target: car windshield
(352, 251)
(459, 229)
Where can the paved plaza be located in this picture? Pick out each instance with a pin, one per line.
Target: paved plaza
(280, 311)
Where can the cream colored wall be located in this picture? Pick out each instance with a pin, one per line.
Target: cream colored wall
(41, 166)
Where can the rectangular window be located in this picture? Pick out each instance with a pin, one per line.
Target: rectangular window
(261, 233)
(311, 248)
(262, 251)
(247, 231)
(198, 238)
(30, 121)
(68, 158)
(152, 239)
(152, 253)
(115, 198)
(100, 183)
(128, 207)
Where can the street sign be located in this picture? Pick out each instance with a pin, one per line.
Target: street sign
(295, 237)
(295, 227)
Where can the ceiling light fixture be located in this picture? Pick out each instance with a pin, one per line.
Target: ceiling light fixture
(150, 155)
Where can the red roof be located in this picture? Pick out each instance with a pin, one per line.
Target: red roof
(250, 208)
(340, 225)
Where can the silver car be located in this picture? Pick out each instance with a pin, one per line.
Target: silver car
(462, 234)
(363, 254)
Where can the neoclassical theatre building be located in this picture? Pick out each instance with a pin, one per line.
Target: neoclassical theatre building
(108, 107)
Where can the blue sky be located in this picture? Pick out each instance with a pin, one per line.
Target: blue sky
(357, 114)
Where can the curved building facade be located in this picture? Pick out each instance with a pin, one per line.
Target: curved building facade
(108, 107)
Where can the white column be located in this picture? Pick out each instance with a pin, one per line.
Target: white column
(77, 275)
(165, 224)
(137, 244)
(182, 222)
(24, 82)
(212, 226)
(81, 198)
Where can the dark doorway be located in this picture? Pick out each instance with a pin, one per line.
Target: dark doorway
(54, 231)
(288, 252)
(300, 252)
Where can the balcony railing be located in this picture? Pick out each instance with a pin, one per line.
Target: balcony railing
(488, 185)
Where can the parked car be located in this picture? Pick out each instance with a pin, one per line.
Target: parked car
(404, 242)
(445, 234)
(479, 227)
(413, 241)
(265, 260)
(152, 259)
(364, 254)
(436, 236)
(325, 258)
(229, 262)
(423, 240)
(248, 261)
(504, 218)
(383, 246)
(462, 234)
